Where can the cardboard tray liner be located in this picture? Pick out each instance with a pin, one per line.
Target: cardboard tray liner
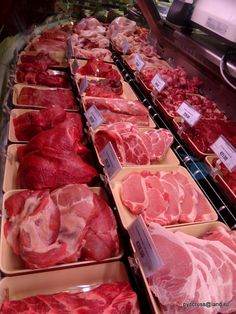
(115, 184)
(66, 280)
(12, 264)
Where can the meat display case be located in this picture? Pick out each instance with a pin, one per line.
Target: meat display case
(200, 56)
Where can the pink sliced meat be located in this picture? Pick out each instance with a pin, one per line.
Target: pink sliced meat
(173, 283)
(133, 193)
(156, 208)
(204, 212)
(220, 233)
(123, 127)
(161, 140)
(190, 199)
(101, 238)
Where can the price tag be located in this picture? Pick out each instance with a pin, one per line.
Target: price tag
(83, 85)
(94, 117)
(69, 49)
(125, 46)
(158, 82)
(75, 66)
(110, 160)
(144, 247)
(139, 63)
(226, 152)
(190, 115)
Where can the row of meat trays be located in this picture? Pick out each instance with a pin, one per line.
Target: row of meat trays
(169, 299)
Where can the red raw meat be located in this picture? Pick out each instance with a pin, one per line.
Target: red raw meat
(46, 45)
(70, 223)
(207, 131)
(170, 194)
(101, 239)
(112, 297)
(55, 34)
(27, 73)
(39, 60)
(61, 139)
(228, 177)
(31, 123)
(95, 67)
(49, 168)
(120, 110)
(30, 96)
(106, 88)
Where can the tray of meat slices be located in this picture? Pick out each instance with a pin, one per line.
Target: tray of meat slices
(204, 133)
(130, 60)
(94, 288)
(43, 59)
(224, 178)
(68, 226)
(120, 110)
(94, 67)
(102, 87)
(162, 194)
(136, 146)
(197, 268)
(43, 97)
(26, 123)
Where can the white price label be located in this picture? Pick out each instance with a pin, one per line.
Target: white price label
(226, 152)
(75, 66)
(83, 85)
(110, 160)
(190, 115)
(158, 82)
(94, 117)
(125, 46)
(144, 247)
(139, 63)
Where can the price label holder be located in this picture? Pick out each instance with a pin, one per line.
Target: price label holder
(138, 61)
(74, 66)
(69, 49)
(94, 117)
(83, 85)
(158, 82)
(145, 248)
(188, 113)
(125, 46)
(215, 171)
(110, 160)
(225, 152)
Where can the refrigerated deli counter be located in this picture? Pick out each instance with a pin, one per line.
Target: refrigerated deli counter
(113, 200)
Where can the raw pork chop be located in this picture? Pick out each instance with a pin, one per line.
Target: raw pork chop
(31, 123)
(107, 88)
(169, 198)
(112, 297)
(208, 273)
(30, 96)
(50, 168)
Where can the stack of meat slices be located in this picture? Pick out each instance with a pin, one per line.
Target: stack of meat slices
(164, 197)
(133, 146)
(119, 110)
(195, 271)
(67, 224)
(89, 40)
